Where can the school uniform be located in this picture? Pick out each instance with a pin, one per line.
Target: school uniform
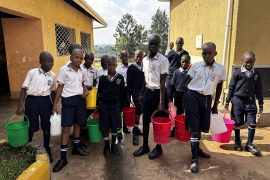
(244, 87)
(100, 72)
(39, 85)
(109, 106)
(174, 58)
(153, 69)
(73, 105)
(122, 69)
(178, 84)
(135, 79)
(198, 97)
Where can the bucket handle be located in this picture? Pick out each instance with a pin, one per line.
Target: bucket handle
(161, 111)
(14, 114)
(170, 107)
(130, 103)
(225, 113)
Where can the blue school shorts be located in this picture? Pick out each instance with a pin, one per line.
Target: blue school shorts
(109, 117)
(150, 105)
(243, 110)
(197, 111)
(73, 111)
(135, 93)
(38, 106)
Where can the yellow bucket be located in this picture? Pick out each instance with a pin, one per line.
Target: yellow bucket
(91, 99)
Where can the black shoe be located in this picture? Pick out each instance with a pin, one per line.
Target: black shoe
(49, 154)
(139, 131)
(82, 145)
(126, 130)
(155, 153)
(119, 136)
(142, 150)
(194, 166)
(202, 154)
(135, 140)
(252, 149)
(114, 149)
(106, 151)
(238, 145)
(172, 132)
(79, 151)
(59, 165)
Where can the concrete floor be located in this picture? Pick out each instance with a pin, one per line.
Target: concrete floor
(225, 163)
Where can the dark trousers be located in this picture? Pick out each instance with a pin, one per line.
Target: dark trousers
(168, 85)
(178, 101)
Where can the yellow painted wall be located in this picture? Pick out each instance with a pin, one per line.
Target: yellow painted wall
(50, 12)
(191, 17)
(253, 31)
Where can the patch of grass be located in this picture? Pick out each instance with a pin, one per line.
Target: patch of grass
(13, 161)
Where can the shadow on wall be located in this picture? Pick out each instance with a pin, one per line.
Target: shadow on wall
(175, 3)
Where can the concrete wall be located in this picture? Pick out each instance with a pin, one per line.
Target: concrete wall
(49, 12)
(22, 50)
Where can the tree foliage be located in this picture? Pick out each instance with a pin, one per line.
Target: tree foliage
(159, 26)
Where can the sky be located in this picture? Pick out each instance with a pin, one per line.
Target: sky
(113, 10)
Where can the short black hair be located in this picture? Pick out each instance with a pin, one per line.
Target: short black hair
(104, 58)
(210, 44)
(45, 54)
(73, 46)
(154, 36)
(111, 58)
(186, 55)
(250, 53)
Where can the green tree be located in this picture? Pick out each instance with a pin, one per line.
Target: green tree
(126, 33)
(159, 26)
(141, 38)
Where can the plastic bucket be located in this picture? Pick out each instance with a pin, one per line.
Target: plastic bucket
(94, 134)
(95, 116)
(129, 115)
(226, 136)
(91, 99)
(181, 133)
(172, 110)
(17, 132)
(161, 128)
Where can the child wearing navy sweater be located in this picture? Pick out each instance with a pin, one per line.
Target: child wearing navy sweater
(109, 88)
(178, 85)
(245, 85)
(135, 79)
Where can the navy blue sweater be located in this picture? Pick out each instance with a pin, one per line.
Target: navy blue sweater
(179, 81)
(243, 86)
(135, 78)
(174, 59)
(109, 90)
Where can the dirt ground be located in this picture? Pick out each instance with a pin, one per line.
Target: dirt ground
(225, 163)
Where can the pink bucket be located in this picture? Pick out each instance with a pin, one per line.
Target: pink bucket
(172, 110)
(226, 136)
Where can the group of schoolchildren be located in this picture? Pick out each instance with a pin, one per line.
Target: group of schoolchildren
(152, 82)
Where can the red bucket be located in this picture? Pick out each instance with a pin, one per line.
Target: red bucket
(162, 128)
(172, 110)
(129, 115)
(181, 133)
(226, 136)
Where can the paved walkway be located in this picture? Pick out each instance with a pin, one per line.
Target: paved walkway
(225, 163)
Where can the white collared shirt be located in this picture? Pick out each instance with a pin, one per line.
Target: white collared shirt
(122, 69)
(100, 72)
(71, 80)
(205, 78)
(153, 68)
(39, 83)
(248, 73)
(91, 75)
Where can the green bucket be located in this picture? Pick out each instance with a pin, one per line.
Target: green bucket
(17, 132)
(94, 134)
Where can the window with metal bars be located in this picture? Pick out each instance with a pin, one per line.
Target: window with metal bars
(64, 37)
(85, 42)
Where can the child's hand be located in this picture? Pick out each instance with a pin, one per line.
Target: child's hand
(260, 109)
(96, 111)
(54, 110)
(140, 99)
(226, 106)
(214, 110)
(161, 107)
(20, 110)
(85, 93)
(128, 99)
(170, 100)
(89, 87)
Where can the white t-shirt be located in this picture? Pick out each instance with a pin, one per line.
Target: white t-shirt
(205, 78)
(153, 68)
(71, 80)
(122, 69)
(39, 83)
(91, 75)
